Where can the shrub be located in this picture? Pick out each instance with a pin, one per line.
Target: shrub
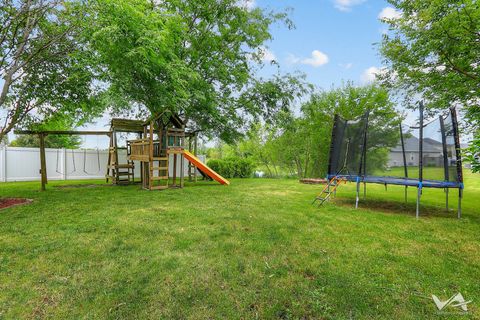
(233, 167)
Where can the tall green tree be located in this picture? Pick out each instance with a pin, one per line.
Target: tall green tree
(433, 50)
(198, 58)
(301, 146)
(45, 70)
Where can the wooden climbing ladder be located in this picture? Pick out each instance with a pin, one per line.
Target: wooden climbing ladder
(157, 166)
(118, 173)
(329, 189)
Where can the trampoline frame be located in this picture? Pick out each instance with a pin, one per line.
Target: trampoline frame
(420, 183)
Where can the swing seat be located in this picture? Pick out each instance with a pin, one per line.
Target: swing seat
(122, 166)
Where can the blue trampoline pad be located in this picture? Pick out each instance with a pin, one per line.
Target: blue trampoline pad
(412, 182)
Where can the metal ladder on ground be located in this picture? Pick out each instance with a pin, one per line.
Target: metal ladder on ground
(328, 190)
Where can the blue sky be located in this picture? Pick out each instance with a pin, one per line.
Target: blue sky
(334, 40)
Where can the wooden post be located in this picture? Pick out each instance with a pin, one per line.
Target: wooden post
(190, 149)
(174, 163)
(150, 157)
(43, 163)
(182, 174)
(109, 162)
(195, 147)
(141, 164)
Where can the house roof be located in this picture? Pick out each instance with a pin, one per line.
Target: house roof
(127, 125)
(411, 145)
(172, 117)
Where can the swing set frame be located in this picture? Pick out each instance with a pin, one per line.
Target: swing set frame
(43, 133)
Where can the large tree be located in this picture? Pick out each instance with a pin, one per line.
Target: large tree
(302, 145)
(433, 50)
(197, 57)
(44, 69)
(349, 102)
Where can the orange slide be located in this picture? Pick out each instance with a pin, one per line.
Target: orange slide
(205, 169)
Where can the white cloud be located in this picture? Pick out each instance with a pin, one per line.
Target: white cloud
(346, 5)
(369, 75)
(346, 65)
(317, 59)
(389, 13)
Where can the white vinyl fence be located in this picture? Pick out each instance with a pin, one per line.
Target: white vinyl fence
(23, 164)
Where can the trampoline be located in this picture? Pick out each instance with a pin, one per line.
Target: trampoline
(375, 148)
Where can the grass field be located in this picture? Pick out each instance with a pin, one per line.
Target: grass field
(255, 249)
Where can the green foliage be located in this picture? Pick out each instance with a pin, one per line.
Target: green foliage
(51, 141)
(198, 58)
(45, 67)
(433, 50)
(301, 146)
(472, 154)
(232, 167)
(56, 122)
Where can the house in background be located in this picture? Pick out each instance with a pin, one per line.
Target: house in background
(432, 153)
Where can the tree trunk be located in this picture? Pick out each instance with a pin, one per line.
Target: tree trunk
(307, 160)
(299, 167)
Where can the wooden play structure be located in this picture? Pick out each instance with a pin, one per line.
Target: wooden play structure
(162, 138)
(159, 150)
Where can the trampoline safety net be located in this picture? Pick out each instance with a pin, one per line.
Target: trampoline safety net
(373, 149)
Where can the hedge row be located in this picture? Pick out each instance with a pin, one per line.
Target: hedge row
(232, 167)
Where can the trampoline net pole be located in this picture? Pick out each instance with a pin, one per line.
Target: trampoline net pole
(417, 214)
(445, 158)
(457, 145)
(332, 145)
(405, 170)
(459, 211)
(358, 193)
(446, 199)
(453, 113)
(420, 161)
(363, 156)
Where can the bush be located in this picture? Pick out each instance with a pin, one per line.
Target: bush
(233, 167)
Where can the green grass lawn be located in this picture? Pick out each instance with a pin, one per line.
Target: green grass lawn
(254, 249)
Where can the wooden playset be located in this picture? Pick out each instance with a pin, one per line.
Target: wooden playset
(160, 151)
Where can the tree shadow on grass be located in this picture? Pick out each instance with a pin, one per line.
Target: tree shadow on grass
(395, 207)
(76, 186)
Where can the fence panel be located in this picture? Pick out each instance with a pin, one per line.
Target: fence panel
(23, 164)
